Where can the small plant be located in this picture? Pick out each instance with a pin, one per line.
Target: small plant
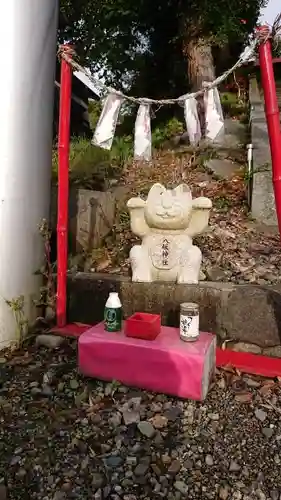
(222, 203)
(166, 131)
(122, 150)
(233, 105)
(248, 176)
(86, 163)
(95, 109)
(16, 306)
(47, 292)
(90, 165)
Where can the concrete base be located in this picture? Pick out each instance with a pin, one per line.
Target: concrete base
(166, 365)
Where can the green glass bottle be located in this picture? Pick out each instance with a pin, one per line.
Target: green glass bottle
(113, 313)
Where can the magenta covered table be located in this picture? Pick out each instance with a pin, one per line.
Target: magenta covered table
(166, 364)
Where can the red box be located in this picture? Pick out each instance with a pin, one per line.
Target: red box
(143, 326)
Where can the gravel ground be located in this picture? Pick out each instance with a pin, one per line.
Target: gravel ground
(63, 436)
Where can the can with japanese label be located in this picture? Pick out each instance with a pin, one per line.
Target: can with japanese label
(189, 321)
(113, 313)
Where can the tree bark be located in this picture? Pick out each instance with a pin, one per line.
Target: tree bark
(200, 63)
(200, 69)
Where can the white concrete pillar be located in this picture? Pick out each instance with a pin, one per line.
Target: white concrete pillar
(28, 48)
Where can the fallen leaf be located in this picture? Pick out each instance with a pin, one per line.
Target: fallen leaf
(274, 399)
(224, 344)
(104, 264)
(268, 407)
(269, 382)
(20, 360)
(252, 382)
(272, 406)
(267, 386)
(221, 383)
(159, 421)
(245, 397)
(266, 389)
(228, 378)
(228, 368)
(238, 384)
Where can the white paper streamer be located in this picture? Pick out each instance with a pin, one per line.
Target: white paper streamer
(192, 121)
(105, 130)
(213, 114)
(142, 146)
(84, 78)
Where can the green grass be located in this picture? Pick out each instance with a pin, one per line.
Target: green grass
(90, 165)
(232, 106)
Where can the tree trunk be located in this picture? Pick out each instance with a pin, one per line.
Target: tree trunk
(200, 69)
(200, 63)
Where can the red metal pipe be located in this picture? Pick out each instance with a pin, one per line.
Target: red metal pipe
(272, 118)
(63, 188)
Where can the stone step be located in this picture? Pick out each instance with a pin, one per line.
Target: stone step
(278, 92)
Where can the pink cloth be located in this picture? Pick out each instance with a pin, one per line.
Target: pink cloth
(166, 364)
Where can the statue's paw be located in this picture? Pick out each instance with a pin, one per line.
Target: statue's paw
(135, 203)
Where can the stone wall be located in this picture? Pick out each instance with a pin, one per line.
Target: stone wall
(247, 316)
(262, 199)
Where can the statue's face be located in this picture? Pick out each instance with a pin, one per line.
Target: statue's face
(168, 209)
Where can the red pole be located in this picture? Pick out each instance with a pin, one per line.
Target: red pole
(63, 188)
(272, 117)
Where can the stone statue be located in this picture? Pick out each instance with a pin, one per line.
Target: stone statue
(166, 222)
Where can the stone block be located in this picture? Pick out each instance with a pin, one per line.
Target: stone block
(274, 352)
(91, 216)
(253, 314)
(242, 313)
(263, 201)
(224, 169)
(95, 217)
(165, 298)
(49, 341)
(243, 347)
(87, 295)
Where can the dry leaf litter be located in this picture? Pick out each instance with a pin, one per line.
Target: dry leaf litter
(235, 248)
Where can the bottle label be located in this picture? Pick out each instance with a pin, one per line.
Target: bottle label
(113, 319)
(189, 327)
